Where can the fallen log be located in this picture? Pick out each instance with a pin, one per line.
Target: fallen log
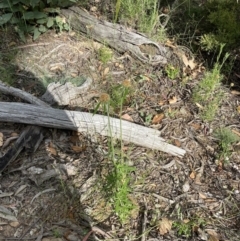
(116, 36)
(86, 122)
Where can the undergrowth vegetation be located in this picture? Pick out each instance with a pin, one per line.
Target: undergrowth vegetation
(208, 94)
(33, 17)
(116, 183)
(212, 27)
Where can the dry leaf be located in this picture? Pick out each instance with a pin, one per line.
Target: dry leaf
(186, 220)
(1, 138)
(14, 134)
(78, 149)
(236, 132)
(127, 117)
(157, 118)
(74, 139)
(121, 66)
(105, 72)
(193, 175)
(202, 195)
(196, 126)
(177, 143)
(198, 178)
(93, 9)
(191, 63)
(187, 62)
(51, 149)
(235, 92)
(213, 236)
(199, 106)
(164, 226)
(238, 109)
(173, 100)
(162, 102)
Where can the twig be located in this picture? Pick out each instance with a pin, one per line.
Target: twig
(144, 223)
(21, 94)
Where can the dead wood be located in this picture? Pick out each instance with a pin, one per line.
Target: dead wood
(65, 94)
(86, 122)
(29, 139)
(21, 94)
(116, 36)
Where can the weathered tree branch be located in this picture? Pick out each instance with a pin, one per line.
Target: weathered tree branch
(86, 122)
(116, 36)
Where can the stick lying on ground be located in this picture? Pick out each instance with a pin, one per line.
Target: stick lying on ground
(86, 122)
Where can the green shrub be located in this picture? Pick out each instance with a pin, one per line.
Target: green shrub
(225, 138)
(33, 16)
(213, 22)
(224, 16)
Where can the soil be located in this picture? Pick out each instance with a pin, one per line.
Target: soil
(58, 193)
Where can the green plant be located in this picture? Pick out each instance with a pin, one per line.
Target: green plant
(141, 14)
(33, 17)
(185, 227)
(172, 72)
(118, 188)
(147, 118)
(117, 181)
(7, 69)
(225, 138)
(208, 94)
(56, 233)
(223, 15)
(208, 42)
(105, 54)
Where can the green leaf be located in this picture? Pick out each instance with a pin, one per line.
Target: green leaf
(17, 8)
(29, 28)
(42, 21)
(50, 22)
(34, 15)
(25, 2)
(15, 2)
(34, 3)
(66, 27)
(36, 34)
(58, 19)
(42, 29)
(5, 18)
(21, 34)
(5, 5)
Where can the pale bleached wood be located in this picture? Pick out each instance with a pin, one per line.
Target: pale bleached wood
(86, 122)
(116, 36)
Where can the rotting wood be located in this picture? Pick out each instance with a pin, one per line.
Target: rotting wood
(116, 36)
(87, 122)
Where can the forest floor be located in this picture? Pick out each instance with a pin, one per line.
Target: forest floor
(58, 193)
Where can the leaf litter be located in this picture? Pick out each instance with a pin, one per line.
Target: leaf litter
(170, 189)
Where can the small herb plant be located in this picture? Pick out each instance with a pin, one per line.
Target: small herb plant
(172, 72)
(225, 138)
(208, 94)
(117, 181)
(105, 54)
(185, 227)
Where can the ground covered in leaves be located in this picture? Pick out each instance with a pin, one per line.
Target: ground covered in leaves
(58, 193)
